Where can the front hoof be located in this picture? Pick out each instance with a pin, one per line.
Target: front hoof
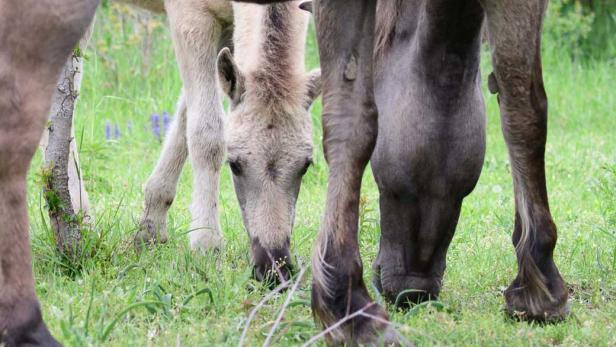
(352, 318)
(523, 304)
(365, 326)
(205, 241)
(150, 233)
(25, 327)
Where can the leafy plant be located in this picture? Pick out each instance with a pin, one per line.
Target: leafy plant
(567, 24)
(585, 29)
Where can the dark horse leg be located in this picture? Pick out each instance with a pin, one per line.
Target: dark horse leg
(36, 37)
(538, 292)
(345, 30)
(431, 142)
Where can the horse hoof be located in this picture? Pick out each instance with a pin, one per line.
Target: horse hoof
(150, 233)
(371, 328)
(205, 241)
(352, 319)
(25, 327)
(520, 304)
(393, 338)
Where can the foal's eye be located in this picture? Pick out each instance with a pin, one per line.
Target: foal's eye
(236, 168)
(305, 168)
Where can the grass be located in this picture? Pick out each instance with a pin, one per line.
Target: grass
(170, 296)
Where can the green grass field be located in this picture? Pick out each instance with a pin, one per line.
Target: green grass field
(170, 296)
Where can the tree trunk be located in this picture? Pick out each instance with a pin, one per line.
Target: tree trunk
(64, 191)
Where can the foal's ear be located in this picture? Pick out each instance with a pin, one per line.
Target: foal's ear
(229, 76)
(313, 87)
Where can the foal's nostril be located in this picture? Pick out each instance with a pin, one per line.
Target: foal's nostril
(271, 266)
(273, 275)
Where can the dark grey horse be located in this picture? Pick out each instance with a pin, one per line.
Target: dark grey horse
(417, 61)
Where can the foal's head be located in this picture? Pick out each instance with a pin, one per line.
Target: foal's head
(269, 149)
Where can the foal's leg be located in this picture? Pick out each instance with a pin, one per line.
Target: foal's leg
(161, 186)
(197, 35)
(345, 34)
(538, 292)
(36, 37)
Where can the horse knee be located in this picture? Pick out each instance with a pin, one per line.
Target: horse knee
(158, 193)
(20, 133)
(206, 146)
(523, 111)
(519, 77)
(516, 60)
(350, 133)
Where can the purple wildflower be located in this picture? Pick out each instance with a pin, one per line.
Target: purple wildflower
(116, 131)
(155, 119)
(166, 122)
(107, 131)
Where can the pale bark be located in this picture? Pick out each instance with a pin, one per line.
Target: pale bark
(65, 193)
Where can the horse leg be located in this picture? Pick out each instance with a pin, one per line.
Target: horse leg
(538, 292)
(345, 35)
(161, 187)
(36, 37)
(197, 36)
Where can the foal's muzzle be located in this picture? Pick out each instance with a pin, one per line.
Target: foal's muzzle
(271, 266)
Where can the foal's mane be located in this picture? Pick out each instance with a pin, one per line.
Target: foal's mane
(273, 79)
